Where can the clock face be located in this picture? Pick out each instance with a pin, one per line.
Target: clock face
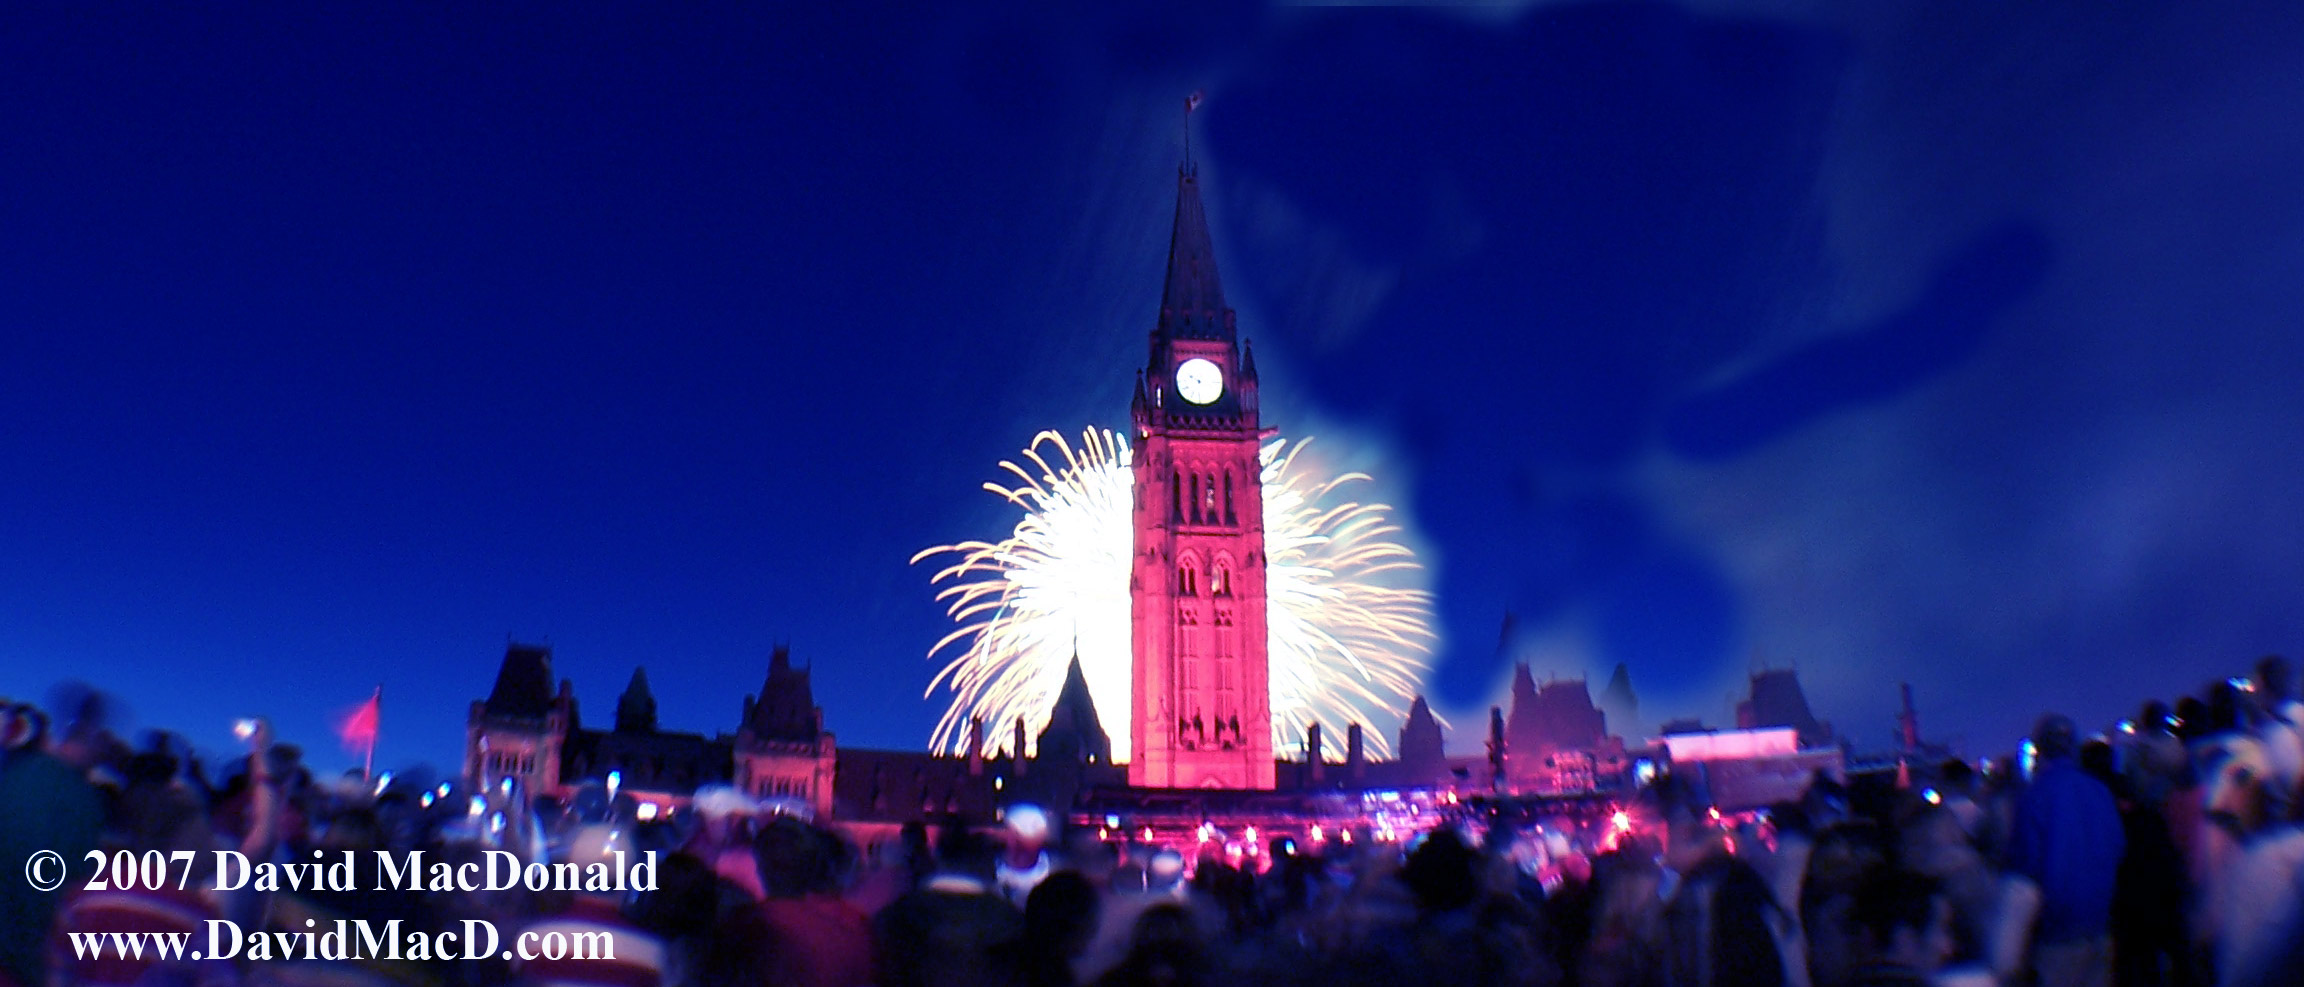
(1199, 381)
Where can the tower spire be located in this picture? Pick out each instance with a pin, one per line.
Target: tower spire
(1192, 300)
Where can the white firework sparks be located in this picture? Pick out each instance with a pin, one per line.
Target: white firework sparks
(1347, 628)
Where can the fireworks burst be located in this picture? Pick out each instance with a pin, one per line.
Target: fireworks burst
(1346, 637)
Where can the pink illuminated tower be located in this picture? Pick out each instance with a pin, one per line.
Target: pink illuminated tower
(1203, 707)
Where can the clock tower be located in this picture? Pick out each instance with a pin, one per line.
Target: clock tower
(1202, 696)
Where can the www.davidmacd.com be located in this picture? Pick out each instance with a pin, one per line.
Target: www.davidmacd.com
(355, 939)
(348, 939)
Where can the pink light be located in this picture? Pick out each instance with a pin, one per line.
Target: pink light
(1622, 821)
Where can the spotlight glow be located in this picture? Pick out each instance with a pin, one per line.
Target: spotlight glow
(1347, 623)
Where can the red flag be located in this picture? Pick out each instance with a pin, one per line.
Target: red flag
(1192, 102)
(358, 728)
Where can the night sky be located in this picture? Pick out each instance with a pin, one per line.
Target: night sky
(1947, 342)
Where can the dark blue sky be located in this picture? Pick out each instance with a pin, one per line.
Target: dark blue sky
(1943, 342)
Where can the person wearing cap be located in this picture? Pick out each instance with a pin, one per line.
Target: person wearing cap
(1024, 862)
(2068, 840)
(724, 840)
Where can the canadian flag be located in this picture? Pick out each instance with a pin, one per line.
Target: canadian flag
(358, 728)
(1193, 101)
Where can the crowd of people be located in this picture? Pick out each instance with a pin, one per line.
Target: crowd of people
(2166, 850)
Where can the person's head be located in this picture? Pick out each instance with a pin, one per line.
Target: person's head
(2227, 707)
(1442, 872)
(2191, 717)
(2054, 736)
(1027, 833)
(1902, 918)
(722, 810)
(961, 850)
(2153, 718)
(1165, 870)
(795, 858)
(1062, 912)
(2242, 791)
(2275, 680)
(1165, 931)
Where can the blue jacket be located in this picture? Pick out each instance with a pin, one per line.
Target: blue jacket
(2068, 840)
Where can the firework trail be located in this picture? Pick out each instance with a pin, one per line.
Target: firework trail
(1347, 629)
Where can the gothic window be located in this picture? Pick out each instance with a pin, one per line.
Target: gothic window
(1210, 512)
(1195, 498)
(1175, 496)
(1187, 579)
(1220, 582)
(1230, 516)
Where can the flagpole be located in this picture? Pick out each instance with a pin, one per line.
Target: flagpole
(368, 766)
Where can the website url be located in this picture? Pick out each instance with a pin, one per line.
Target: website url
(345, 939)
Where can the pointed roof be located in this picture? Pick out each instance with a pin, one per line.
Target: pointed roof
(1778, 701)
(1420, 736)
(786, 709)
(523, 684)
(1075, 714)
(636, 708)
(1192, 300)
(1620, 687)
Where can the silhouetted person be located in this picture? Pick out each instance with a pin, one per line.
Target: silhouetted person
(801, 933)
(2156, 758)
(2068, 840)
(1722, 923)
(45, 804)
(1060, 917)
(1463, 935)
(944, 932)
(2280, 722)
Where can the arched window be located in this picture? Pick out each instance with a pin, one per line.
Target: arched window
(1187, 579)
(1230, 516)
(1195, 498)
(1220, 578)
(1175, 496)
